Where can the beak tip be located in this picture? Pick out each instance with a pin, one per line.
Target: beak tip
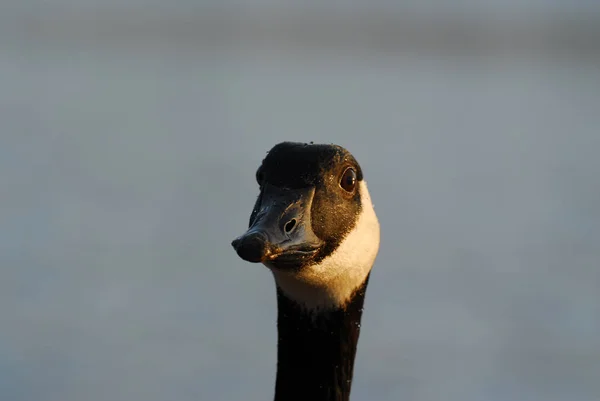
(252, 248)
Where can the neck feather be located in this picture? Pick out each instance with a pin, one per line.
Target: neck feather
(316, 349)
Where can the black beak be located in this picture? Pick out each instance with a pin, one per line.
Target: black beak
(281, 225)
(254, 247)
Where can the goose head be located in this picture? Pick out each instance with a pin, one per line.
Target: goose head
(313, 224)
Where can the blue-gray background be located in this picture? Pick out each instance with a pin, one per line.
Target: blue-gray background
(130, 134)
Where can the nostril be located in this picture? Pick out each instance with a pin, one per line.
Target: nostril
(289, 226)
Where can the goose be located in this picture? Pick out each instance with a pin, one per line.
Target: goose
(314, 227)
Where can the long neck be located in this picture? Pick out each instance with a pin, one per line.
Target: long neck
(316, 350)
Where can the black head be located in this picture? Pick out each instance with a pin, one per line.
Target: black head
(309, 200)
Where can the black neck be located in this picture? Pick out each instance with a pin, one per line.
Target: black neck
(315, 355)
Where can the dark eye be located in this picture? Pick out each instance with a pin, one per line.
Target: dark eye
(348, 181)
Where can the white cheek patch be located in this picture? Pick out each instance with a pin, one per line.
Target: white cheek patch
(331, 283)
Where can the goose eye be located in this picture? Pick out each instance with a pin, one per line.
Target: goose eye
(348, 181)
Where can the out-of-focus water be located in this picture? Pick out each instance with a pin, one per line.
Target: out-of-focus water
(126, 172)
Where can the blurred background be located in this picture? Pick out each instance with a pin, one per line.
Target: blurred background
(131, 132)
